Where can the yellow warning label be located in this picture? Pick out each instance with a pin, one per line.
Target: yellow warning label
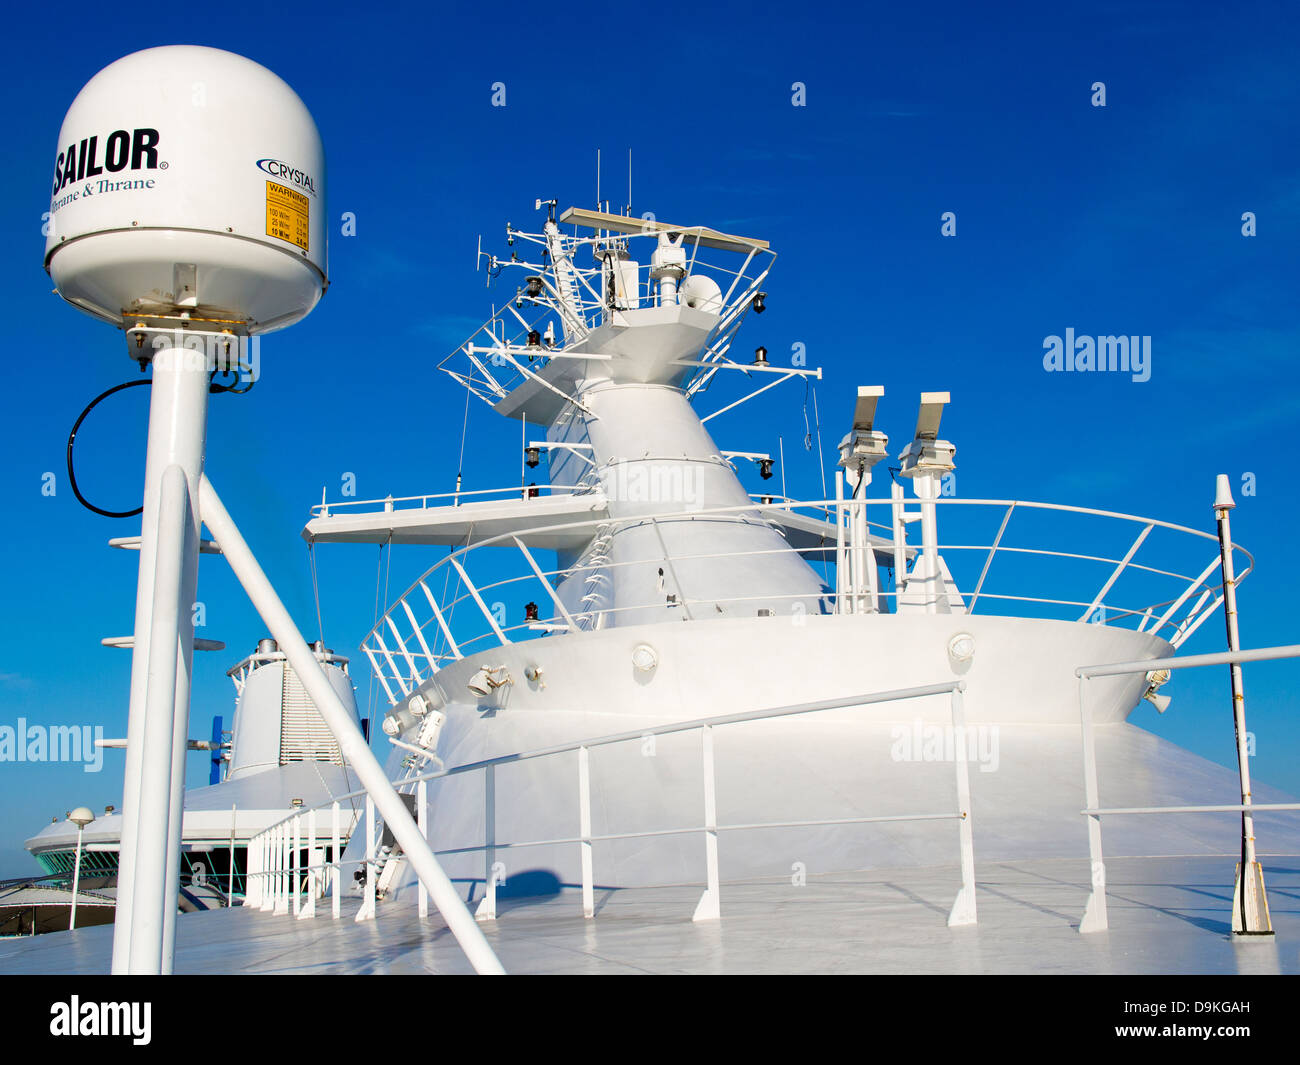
(287, 215)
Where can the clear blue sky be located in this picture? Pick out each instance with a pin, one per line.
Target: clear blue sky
(1122, 219)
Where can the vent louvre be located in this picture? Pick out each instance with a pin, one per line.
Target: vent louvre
(304, 736)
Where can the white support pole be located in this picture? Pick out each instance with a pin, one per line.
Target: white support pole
(709, 907)
(352, 744)
(1250, 916)
(841, 584)
(230, 880)
(900, 542)
(336, 873)
(367, 911)
(926, 486)
(422, 820)
(1094, 913)
(149, 892)
(584, 830)
(177, 427)
(963, 910)
(487, 909)
(76, 882)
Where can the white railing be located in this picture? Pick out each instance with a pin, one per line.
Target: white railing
(281, 883)
(422, 502)
(509, 349)
(421, 632)
(1095, 918)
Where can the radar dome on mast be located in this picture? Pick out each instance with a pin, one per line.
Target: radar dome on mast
(189, 182)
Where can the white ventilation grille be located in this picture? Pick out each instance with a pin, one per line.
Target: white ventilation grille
(304, 736)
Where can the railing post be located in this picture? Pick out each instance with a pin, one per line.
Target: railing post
(336, 873)
(584, 830)
(230, 883)
(313, 871)
(251, 896)
(1094, 913)
(281, 866)
(267, 862)
(963, 908)
(841, 584)
(422, 822)
(295, 864)
(367, 911)
(487, 909)
(709, 907)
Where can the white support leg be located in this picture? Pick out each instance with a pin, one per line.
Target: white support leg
(487, 909)
(709, 907)
(367, 911)
(584, 830)
(336, 872)
(963, 908)
(422, 820)
(1094, 913)
(352, 744)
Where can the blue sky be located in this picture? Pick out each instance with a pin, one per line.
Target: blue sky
(1117, 220)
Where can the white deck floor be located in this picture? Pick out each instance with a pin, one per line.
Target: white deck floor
(1168, 915)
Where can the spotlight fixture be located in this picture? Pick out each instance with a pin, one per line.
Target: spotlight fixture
(533, 287)
(760, 356)
(961, 648)
(533, 456)
(488, 679)
(760, 302)
(765, 467)
(644, 658)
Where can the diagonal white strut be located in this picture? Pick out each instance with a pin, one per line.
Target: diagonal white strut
(351, 743)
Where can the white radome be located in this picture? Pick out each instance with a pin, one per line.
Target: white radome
(189, 181)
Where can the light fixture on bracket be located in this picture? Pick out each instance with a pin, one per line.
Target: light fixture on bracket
(760, 302)
(1156, 678)
(760, 356)
(488, 679)
(533, 455)
(765, 469)
(533, 287)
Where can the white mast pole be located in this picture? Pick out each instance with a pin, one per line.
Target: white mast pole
(158, 721)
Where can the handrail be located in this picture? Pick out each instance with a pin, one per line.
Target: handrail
(279, 886)
(1153, 617)
(1095, 918)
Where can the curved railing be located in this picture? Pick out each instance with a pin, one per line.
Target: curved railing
(427, 626)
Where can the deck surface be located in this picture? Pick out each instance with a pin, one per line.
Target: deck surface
(1168, 915)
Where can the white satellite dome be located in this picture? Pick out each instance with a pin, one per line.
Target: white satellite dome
(702, 293)
(189, 181)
